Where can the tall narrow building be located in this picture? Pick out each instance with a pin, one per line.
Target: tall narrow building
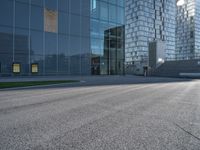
(149, 21)
(188, 29)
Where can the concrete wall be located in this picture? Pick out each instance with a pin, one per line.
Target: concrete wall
(175, 68)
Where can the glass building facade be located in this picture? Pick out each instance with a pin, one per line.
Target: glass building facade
(188, 29)
(107, 36)
(148, 21)
(55, 37)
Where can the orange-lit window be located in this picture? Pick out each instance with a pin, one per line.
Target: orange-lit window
(34, 68)
(50, 20)
(16, 68)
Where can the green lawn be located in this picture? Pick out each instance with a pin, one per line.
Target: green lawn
(32, 83)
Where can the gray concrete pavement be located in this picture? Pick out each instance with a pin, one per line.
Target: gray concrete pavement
(103, 113)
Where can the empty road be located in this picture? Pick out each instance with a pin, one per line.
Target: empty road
(103, 113)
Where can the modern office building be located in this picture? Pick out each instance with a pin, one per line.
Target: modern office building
(148, 21)
(55, 37)
(188, 29)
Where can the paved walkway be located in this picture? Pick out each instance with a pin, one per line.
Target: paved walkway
(103, 113)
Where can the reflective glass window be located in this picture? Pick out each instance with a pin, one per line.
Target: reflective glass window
(51, 4)
(85, 26)
(50, 43)
(112, 13)
(22, 42)
(22, 15)
(63, 23)
(75, 6)
(103, 11)
(6, 40)
(37, 18)
(120, 15)
(75, 25)
(50, 64)
(113, 1)
(37, 2)
(120, 2)
(85, 8)
(75, 45)
(24, 1)
(6, 15)
(85, 46)
(36, 41)
(63, 5)
(63, 45)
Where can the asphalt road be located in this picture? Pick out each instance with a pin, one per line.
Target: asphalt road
(103, 113)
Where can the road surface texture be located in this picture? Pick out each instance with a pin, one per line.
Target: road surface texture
(103, 113)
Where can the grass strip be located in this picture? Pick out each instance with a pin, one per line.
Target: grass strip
(32, 83)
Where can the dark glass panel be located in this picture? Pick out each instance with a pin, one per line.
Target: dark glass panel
(63, 23)
(22, 42)
(22, 15)
(75, 45)
(85, 66)
(50, 53)
(6, 61)
(51, 4)
(63, 64)
(37, 2)
(85, 26)
(75, 6)
(63, 45)
(37, 15)
(6, 15)
(74, 55)
(63, 5)
(85, 8)
(75, 65)
(85, 46)
(6, 50)
(50, 44)
(75, 25)
(36, 43)
(50, 64)
(24, 1)
(6, 40)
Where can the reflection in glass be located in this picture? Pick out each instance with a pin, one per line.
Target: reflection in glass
(50, 21)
